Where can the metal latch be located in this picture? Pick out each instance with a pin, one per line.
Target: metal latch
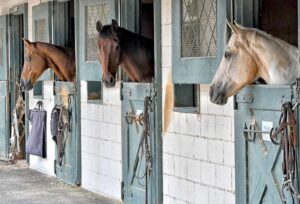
(250, 133)
(244, 98)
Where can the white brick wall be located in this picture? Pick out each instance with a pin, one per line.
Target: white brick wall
(101, 143)
(198, 150)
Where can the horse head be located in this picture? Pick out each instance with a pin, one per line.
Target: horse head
(238, 67)
(109, 51)
(34, 65)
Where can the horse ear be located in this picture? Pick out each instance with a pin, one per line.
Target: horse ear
(239, 25)
(27, 42)
(99, 26)
(234, 28)
(114, 24)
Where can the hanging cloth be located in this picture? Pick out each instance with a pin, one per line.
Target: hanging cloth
(36, 142)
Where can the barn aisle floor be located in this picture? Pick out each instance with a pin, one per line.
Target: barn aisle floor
(20, 184)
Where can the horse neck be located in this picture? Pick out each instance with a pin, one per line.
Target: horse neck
(136, 56)
(59, 61)
(277, 61)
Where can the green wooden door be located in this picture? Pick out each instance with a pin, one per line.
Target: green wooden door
(132, 103)
(69, 171)
(258, 160)
(90, 11)
(4, 102)
(42, 30)
(198, 39)
(66, 95)
(134, 189)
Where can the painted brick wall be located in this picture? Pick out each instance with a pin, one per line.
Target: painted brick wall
(198, 150)
(101, 143)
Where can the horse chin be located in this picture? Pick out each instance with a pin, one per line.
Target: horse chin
(216, 96)
(221, 101)
(26, 85)
(109, 85)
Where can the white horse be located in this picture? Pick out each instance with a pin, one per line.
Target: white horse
(249, 55)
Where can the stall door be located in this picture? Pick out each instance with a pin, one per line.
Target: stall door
(136, 188)
(69, 170)
(258, 160)
(4, 102)
(66, 95)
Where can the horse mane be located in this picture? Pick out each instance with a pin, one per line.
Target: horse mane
(63, 50)
(281, 43)
(56, 54)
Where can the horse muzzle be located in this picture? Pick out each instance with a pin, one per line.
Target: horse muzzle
(26, 85)
(109, 83)
(217, 96)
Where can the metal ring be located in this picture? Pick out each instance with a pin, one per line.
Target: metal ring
(128, 119)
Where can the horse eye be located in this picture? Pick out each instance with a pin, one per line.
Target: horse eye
(117, 47)
(227, 54)
(28, 58)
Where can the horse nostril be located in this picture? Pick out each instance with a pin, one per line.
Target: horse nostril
(112, 79)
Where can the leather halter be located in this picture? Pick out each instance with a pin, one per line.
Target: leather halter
(288, 142)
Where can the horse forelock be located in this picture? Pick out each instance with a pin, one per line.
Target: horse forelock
(107, 32)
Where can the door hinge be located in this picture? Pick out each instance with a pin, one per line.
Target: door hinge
(122, 190)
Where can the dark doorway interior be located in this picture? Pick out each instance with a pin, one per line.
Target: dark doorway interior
(16, 60)
(280, 19)
(146, 19)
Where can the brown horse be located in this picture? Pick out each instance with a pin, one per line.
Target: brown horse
(252, 54)
(40, 56)
(133, 52)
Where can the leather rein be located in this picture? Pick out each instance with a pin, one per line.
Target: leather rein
(285, 134)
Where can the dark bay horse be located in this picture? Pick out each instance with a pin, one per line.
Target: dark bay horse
(40, 56)
(252, 54)
(133, 52)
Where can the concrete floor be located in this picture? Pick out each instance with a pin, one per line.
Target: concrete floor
(19, 184)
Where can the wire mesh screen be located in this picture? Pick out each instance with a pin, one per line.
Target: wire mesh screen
(40, 30)
(198, 28)
(1, 46)
(93, 14)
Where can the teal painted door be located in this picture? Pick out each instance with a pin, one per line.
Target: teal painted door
(132, 103)
(69, 171)
(198, 39)
(258, 161)
(4, 123)
(90, 11)
(66, 94)
(134, 189)
(42, 29)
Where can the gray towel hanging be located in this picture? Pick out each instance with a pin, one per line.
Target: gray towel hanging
(36, 142)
